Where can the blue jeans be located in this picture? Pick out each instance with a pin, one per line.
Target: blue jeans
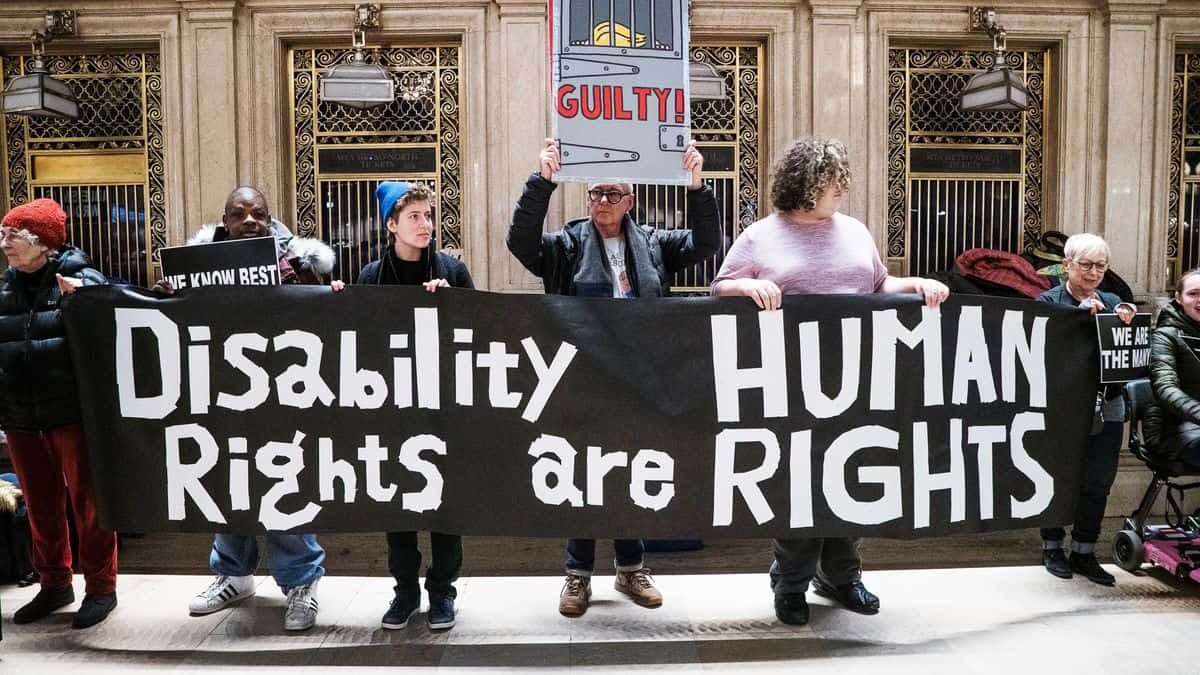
(1099, 471)
(581, 555)
(295, 558)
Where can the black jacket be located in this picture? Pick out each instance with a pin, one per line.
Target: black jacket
(38, 391)
(1174, 374)
(555, 256)
(437, 265)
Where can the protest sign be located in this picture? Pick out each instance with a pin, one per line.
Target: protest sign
(391, 408)
(232, 262)
(1124, 349)
(619, 77)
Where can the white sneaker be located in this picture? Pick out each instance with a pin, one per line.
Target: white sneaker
(221, 593)
(302, 607)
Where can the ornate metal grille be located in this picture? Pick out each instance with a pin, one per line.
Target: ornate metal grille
(729, 133)
(959, 180)
(105, 168)
(1183, 198)
(340, 154)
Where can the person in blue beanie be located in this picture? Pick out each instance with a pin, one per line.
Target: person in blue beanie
(406, 209)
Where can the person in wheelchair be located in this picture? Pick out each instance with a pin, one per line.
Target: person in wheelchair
(1085, 260)
(1175, 375)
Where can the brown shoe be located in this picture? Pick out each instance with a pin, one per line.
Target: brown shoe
(576, 591)
(639, 586)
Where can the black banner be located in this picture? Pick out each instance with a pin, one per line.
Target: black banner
(1124, 349)
(390, 408)
(233, 262)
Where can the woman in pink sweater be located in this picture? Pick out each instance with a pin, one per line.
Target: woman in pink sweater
(807, 247)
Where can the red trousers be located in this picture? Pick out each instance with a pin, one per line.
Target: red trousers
(53, 467)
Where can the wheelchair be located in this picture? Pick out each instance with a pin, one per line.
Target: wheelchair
(1174, 545)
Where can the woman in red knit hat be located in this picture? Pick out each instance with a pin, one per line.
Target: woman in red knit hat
(40, 412)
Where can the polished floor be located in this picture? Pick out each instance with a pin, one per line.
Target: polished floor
(1011, 620)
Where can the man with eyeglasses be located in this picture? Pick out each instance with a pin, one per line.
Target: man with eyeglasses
(607, 254)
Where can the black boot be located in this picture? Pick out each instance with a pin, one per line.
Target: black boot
(1086, 565)
(1056, 562)
(94, 609)
(44, 603)
(791, 608)
(853, 596)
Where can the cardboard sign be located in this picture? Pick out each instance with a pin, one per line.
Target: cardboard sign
(233, 262)
(1124, 349)
(388, 408)
(619, 76)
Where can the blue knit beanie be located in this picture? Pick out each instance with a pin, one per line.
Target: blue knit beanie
(388, 193)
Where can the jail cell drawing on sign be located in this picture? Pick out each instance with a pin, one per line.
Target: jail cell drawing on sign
(619, 69)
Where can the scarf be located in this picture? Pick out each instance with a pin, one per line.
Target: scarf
(593, 277)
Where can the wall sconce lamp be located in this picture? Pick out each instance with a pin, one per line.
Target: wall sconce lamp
(36, 92)
(359, 84)
(996, 88)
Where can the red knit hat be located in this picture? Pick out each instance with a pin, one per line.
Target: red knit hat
(42, 217)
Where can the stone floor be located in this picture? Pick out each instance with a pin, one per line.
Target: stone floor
(982, 620)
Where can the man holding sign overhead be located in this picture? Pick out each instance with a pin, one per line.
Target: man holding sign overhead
(1085, 260)
(607, 254)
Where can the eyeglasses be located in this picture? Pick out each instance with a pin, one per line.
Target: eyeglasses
(1088, 265)
(7, 233)
(612, 196)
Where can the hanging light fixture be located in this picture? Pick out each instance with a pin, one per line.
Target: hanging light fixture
(356, 83)
(998, 87)
(36, 92)
(704, 83)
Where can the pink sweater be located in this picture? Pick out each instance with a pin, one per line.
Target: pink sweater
(833, 256)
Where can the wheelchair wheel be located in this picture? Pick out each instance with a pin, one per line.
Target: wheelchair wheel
(1128, 551)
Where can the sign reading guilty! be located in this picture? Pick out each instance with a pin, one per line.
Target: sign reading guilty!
(619, 75)
(233, 262)
(388, 408)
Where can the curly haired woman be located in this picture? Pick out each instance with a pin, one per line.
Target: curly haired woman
(807, 247)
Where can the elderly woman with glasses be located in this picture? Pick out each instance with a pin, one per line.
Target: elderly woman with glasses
(40, 413)
(1085, 260)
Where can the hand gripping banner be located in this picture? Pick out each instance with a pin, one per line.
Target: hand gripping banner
(390, 408)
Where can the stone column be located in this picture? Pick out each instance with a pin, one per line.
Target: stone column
(518, 115)
(210, 119)
(1129, 141)
(839, 93)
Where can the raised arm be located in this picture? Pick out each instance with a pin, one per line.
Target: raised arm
(525, 232)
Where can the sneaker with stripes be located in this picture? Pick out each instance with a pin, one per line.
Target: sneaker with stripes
(302, 608)
(222, 592)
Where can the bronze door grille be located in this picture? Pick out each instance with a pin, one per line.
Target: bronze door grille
(729, 133)
(340, 154)
(1183, 197)
(106, 168)
(959, 180)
